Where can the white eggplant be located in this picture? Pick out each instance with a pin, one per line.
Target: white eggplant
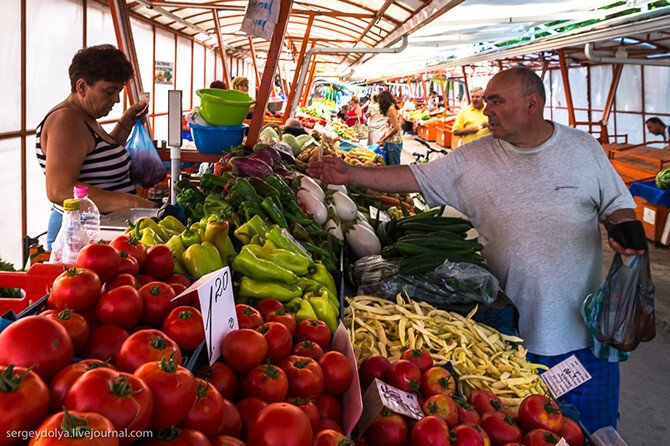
(362, 240)
(363, 220)
(345, 206)
(332, 224)
(308, 184)
(314, 206)
(338, 187)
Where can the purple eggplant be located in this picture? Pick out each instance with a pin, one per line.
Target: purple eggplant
(250, 167)
(268, 154)
(280, 170)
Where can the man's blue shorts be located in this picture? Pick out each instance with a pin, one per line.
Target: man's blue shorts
(597, 400)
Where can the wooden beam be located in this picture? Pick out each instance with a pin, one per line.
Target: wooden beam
(465, 82)
(609, 102)
(268, 73)
(301, 57)
(253, 58)
(566, 87)
(308, 85)
(222, 50)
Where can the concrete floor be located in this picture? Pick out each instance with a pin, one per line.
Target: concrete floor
(645, 387)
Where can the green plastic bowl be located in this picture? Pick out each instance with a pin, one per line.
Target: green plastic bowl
(224, 107)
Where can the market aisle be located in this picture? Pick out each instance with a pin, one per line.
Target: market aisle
(645, 388)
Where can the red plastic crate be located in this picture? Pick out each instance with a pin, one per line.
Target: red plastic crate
(35, 283)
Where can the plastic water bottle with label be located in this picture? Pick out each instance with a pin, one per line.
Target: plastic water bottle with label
(89, 215)
(71, 237)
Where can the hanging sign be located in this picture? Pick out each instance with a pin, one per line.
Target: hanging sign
(261, 18)
(164, 73)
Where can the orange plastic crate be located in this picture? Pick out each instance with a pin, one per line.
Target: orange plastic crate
(35, 283)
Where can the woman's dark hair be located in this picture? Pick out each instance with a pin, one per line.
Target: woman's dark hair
(385, 100)
(99, 63)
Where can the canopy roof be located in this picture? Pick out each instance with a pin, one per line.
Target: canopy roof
(443, 34)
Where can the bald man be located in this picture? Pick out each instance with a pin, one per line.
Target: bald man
(471, 122)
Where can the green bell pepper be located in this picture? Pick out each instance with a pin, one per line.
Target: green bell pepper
(201, 259)
(209, 182)
(216, 233)
(323, 309)
(323, 276)
(177, 248)
(255, 226)
(309, 285)
(172, 223)
(150, 238)
(214, 205)
(146, 222)
(291, 261)
(301, 309)
(263, 188)
(282, 239)
(191, 237)
(274, 211)
(258, 289)
(241, 191)
(247, 264)
(250, 209)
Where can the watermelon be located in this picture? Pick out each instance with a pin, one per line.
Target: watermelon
(663, 179)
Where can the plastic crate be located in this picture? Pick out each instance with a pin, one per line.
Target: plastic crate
(35, 283)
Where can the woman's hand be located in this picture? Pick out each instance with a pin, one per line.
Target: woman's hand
(135, 112)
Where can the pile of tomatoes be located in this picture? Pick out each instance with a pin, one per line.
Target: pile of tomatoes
(481, 420)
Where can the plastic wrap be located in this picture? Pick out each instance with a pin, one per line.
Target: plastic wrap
(146, 167)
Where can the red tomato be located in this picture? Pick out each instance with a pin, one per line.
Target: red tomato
(280, 424)
(120, 306)
(388, 429)
(249, 408)
(132, 246)
(231, 423)
(283, 317)
(437, 380)
(207, 410)
(467, 413)
(157, 303)
(143, 279)
(104, 342)
(65, 378)
(123, 398)
(76, 289)
(173, 390)
(222, 377)
(430, 430)
(265, 306)
(337, 372)
(329, 407)
(244, 349)
(571, 431)
(24, 400)
(501, 427)
(100, 258)
(307, 348)
(248, 316)
(330, 437)
(311, 410)
(128, 265)
(226, 440)
(36, 341)
(159, 262)
(75, 325)
(327, 423)
(313, 330)
(146, 346)
(442, 406)
(305, 377)
(177, 278)
(266, 382)
(184, 325)
(178, 437)
(279, 339)
(121, 279)
(540, 412)
(484, 401)
(404, 375)
(466, 435)
(97, 427)
(372, 367)
(540, 437)
(420, 357)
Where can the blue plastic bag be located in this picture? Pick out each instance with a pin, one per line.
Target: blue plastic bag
(146, 167)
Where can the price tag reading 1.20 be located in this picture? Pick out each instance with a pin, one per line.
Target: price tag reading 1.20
(217, 305)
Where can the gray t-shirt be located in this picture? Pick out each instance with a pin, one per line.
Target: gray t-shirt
(537, 212)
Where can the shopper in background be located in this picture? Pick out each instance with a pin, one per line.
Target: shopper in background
(241, 83)
(391, 139)
(535, 191)
(73, 148)
(219, 84)
(344, 111)
(355, 113)
(471, 122)
(406, 121)
(376, 121)
(657, 127)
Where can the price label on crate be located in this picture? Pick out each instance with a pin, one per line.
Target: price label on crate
(217, 304)
(565, 376)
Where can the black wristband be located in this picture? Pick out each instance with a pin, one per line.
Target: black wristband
(629, 234)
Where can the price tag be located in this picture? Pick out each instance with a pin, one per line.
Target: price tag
(562, 442)
(399, 401)
(383, 216)
(565, 376)
(217, 305)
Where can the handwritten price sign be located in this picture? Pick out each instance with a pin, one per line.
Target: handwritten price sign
(217, 304)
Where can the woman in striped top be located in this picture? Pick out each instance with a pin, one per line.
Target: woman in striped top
(73, 148)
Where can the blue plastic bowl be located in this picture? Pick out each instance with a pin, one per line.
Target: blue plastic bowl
(217, 139)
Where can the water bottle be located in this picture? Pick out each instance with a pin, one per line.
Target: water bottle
(71, 237)
(89, 215)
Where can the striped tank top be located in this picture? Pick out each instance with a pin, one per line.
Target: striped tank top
(106, 167)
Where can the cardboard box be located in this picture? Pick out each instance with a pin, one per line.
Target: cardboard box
(653, 217)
